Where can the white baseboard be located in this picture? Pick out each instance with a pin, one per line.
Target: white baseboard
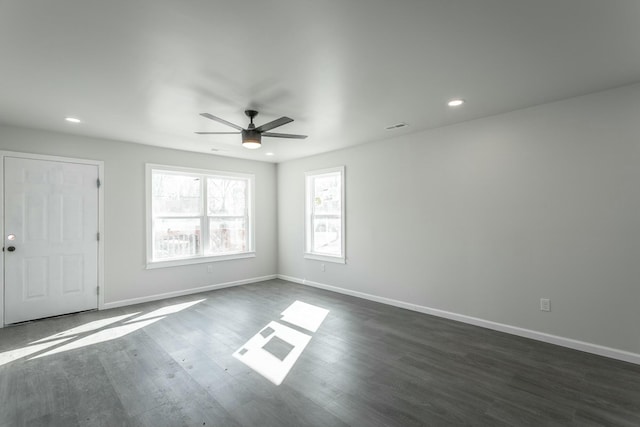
(182, 292)
(600, 350)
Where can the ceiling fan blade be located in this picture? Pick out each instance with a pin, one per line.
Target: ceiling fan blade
(274, 124)
(218, 119)
(218, 133)
(283, 135)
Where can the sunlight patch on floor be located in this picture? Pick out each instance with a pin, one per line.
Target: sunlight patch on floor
(307, 316)
(19, 353)
(101, 336)
(87, 327)
(164, 311)
(90, 333)
(274, 350)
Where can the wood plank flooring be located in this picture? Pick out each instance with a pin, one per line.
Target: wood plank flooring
(367, 365)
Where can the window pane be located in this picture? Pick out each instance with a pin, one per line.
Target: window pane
(226, 196)
(227, 235)
(176, 238)
(194, 214)
(175, 194)
(326, 194)
(326, 235)
(324, 211)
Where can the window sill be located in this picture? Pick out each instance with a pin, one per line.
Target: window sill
(198, 260)
(327, 258)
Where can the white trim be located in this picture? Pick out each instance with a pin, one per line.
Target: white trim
(2, 156)
(587, 347)
(327, 258)
(100, 165)
(198, 259)
(32, 156)
(101, 290)
(212, 172)
(140, 300)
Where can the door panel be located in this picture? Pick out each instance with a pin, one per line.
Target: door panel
(35, 274)
(52, 210)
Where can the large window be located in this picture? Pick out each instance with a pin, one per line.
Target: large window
(324, 224)
(197, 216)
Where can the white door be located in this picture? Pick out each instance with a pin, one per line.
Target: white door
(51, 238)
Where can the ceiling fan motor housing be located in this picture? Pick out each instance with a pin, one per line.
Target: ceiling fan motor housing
(251, 138)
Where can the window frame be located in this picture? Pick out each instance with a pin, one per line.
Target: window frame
(203, 174)
(308, 220)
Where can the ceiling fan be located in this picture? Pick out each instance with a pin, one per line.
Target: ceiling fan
(252, 135)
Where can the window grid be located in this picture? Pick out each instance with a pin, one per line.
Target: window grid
(201, 234)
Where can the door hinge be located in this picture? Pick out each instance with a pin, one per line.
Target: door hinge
(98, 182)
(98, 290)
(98, 236)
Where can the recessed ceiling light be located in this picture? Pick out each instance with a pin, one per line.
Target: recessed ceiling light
(72, 120)
(268, 154)
(455, 102)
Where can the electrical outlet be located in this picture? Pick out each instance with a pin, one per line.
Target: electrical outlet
(322, 267)
(545, 304)
(209, 268)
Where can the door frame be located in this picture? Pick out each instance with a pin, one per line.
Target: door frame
(100, 165)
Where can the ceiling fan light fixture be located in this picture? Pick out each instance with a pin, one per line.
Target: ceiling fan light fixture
(251, 145)
(251, 139)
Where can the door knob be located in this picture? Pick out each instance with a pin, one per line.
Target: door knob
(11, 248)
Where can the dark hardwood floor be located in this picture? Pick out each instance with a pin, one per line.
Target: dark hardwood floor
(367, 365)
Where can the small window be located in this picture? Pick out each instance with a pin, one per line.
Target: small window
(325, 220)
(197, 216)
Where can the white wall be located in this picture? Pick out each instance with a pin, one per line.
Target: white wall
(480, 219)
(486, 217)
(124, 198)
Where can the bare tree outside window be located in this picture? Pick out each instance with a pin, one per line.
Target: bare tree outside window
(198, 215)
(227, 214)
